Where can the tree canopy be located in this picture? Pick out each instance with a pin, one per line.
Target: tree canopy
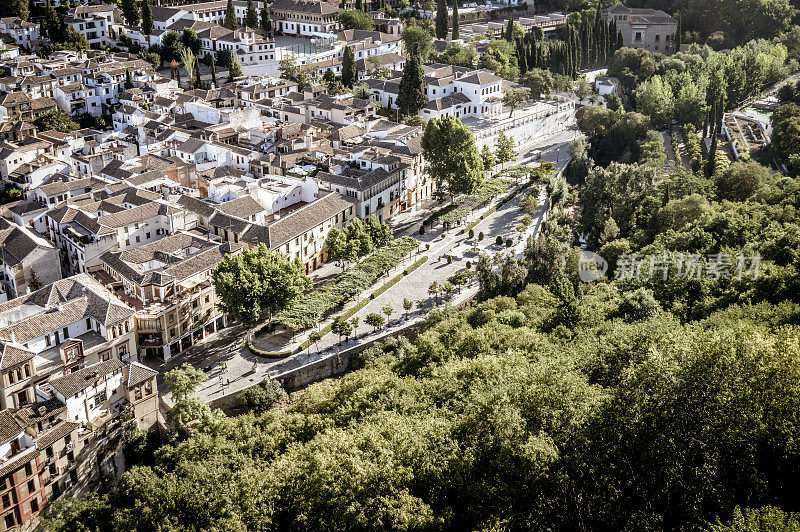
(256, 283)
(453, 158)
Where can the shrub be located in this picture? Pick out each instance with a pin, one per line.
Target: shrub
(480, 235)
(449, 259)
(262, 396)
(472, 233)
(427, 246)
(422, 229)
(498, 240)
(469, 265)
(509, 242)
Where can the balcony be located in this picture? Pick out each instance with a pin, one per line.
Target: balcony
(151, 341)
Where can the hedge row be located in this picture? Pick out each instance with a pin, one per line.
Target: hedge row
(265, 354)
(448, 215)
(309, 308)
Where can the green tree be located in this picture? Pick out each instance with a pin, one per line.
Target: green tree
(262, 396)
(458, 55)
(266, 20)
(441, 19)
(128, 80)
(253, 285)
(375, 320)
(234, 68)
(190, 40)
(356, 20)
(188, 59)
(454, 161)
(411, 98)
(454, 35)
(130, 11)
(230, 20)
(539, 82)
(56, 120)
(147, 17)
(766, 519)
(407, 306)
(505, 149)
(213, 66)
(740, 180)
(52, 25)
(514, 98)
(73, 40)
(188, 407)
(379, 232)
(418, 39)
(488, 158)
(654, 98)
(348, 67)
(251, 15)
(388, 310)
(15, 8)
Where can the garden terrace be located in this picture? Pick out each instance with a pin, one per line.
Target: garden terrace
(307, 310)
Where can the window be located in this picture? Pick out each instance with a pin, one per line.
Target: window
(31, 486)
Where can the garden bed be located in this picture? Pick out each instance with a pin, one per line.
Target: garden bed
(309, 308)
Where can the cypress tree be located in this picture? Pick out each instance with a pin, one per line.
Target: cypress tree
(147, 17)
(411, 98)
(230, 17)
(587, 43)
(348, 67)
(129, 11)
(441, 19)
(620, 40)
(521, 58)
(213, 71)
(455, 20)
(251, 16)
(52, 23)
(235, 68)
(266, 21)
(603, 47)
(677, 36)
(359, 6)
(510, 30)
